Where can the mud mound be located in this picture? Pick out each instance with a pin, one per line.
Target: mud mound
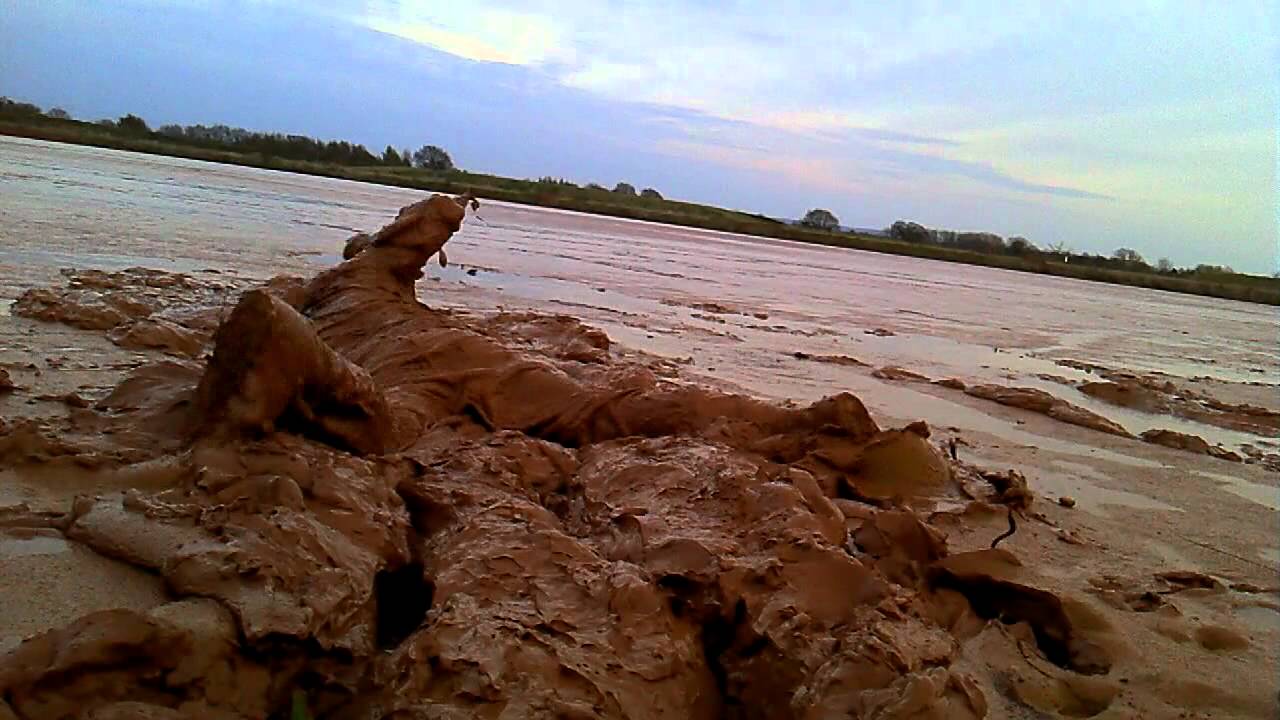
(891, 372)
(134, 305)
(1159, 395)
(1190, 443)
(1130, 395)
(384, 511)
(830, 359)
(1039, 401)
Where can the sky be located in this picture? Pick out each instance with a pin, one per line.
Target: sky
(1097, 125)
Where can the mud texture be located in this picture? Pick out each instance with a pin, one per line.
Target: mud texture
(1190, 443)
(1160, 395)
(1045, 403)
(390, 511)
(136, 307)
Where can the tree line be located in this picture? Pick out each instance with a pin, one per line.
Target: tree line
(267, 144)
(293, 147)
(990, 243)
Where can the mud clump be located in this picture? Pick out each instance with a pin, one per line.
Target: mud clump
(1039, 401)
(1190, 443)
(158, 334)
(133, 305)
(1154, 394)
(1130, 395)
(829, 359)
(403, 512)
(897, 374)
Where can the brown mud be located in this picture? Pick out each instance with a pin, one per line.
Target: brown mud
(330, 490)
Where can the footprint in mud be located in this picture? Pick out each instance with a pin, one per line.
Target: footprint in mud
(1217, 638)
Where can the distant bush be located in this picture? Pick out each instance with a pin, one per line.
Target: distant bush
(431, 157)
(133, 124)
(820, 219)
(910, 232)
(13, 108)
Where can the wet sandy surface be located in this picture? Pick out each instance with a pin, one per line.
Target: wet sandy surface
(739, 307)
(737, 310)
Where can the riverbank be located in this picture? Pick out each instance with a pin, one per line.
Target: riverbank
(1246, 288)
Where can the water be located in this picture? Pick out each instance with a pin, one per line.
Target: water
(63, 205)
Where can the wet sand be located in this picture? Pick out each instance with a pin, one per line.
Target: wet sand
(741, 309)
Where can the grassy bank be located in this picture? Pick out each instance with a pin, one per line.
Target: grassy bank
(550, 193)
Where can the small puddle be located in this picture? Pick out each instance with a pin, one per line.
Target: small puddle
(1259, 617)
(38, 545)
(1267, 496)
(1078, 481)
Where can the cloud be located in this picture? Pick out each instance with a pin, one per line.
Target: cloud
(484, 35)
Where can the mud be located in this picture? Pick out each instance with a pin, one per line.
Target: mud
(137, 307)
(829, 359)
(399, 511)
(890, 372)
(1039, 401)
(1158, 395)
(1190, 443)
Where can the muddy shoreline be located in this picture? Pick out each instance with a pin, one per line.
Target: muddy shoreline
(652, 542)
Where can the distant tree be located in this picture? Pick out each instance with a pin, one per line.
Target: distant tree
(106, 123)
(133, 124)
(650, 194)
(9, 106)
(911, 232)
(625, 189)
(430, 157)
(820, 219)
(173, 131)
(406, 157)
(391, 157)
(1129, 256)
(597, 187)
(1163, 265)
(58, 114)
(554, 185)
(1021, 246)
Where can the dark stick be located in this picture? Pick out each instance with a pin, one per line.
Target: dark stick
(1013, 528)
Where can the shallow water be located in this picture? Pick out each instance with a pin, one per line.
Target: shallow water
(64, 205)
